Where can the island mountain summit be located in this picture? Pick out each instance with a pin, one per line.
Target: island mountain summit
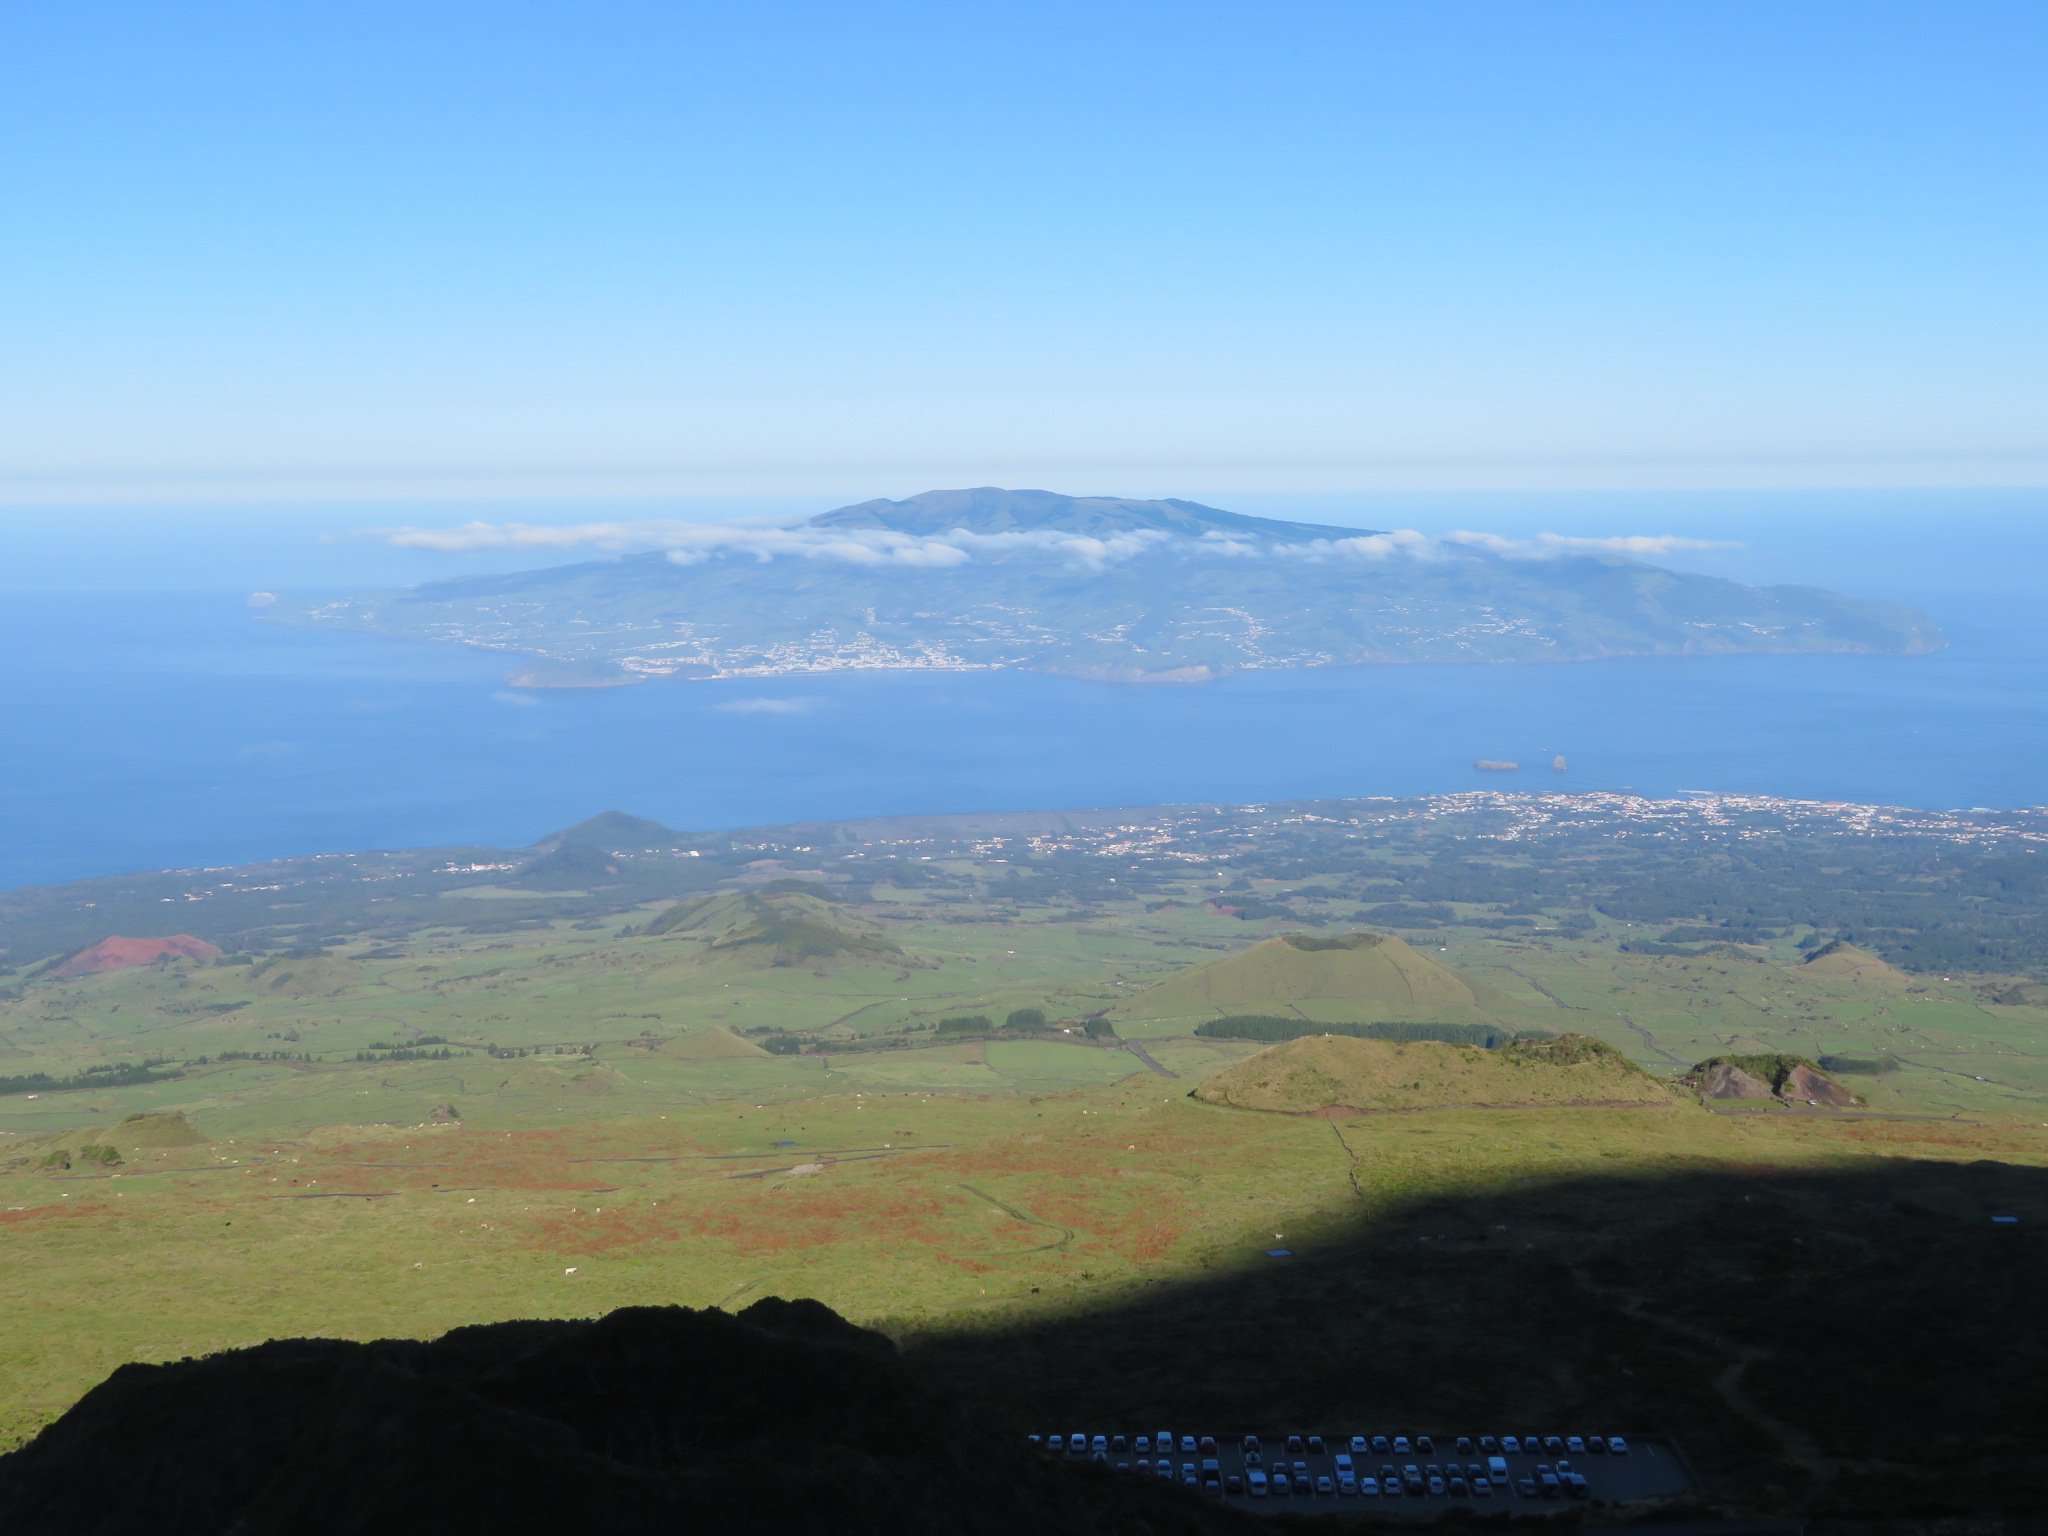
(1095, 586)
(988, 509)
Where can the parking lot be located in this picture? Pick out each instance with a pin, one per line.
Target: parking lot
(1301, 1472)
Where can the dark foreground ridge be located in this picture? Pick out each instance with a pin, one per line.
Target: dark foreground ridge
(784, 1419)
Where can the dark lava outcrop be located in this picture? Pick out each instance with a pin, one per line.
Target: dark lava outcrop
(1779, 1079)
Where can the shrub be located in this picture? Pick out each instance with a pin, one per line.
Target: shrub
(1025, 1018)
(783, 1045)
(966, 1024)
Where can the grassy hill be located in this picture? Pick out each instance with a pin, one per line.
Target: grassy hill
(1351, 977)
(1843, 961)
(1337, 1072)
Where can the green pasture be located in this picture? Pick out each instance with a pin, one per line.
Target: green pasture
(561, 994)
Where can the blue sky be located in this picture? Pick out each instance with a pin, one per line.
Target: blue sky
(272, 251)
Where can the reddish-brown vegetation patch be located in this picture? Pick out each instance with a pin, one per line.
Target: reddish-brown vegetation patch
(119, 954)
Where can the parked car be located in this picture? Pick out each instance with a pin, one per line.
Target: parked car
(1325, 1487)
(1360, 1445)
(1255, 1484)
(1347, 1487)
(1497, 1468)
(1208, 1445)
(1315, 1445)
(1575, 1445)
(1616, 1446)
(1233, 1484)
(1282, 1485)
(1458, 1486)
(1381, 1446)
(1511, 1445)
(1526, 1487)
(1548, 1484)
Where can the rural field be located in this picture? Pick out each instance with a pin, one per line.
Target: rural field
(963, 1109)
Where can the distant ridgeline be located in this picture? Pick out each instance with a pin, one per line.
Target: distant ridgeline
(1095, 586)
(1257, 1026)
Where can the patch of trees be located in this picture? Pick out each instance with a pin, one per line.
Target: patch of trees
(126, 1074)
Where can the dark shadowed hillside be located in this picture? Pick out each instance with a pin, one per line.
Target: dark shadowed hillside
(785, 1419)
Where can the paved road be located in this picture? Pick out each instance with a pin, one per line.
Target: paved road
(1145, 1056)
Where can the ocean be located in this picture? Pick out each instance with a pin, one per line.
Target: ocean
(161, 728)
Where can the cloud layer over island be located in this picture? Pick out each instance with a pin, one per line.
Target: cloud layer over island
(693, 543)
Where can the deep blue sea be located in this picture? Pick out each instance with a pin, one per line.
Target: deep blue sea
(152, 728)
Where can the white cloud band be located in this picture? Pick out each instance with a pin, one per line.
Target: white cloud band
(694, 543)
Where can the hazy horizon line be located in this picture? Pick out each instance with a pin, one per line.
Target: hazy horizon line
(2017, 469)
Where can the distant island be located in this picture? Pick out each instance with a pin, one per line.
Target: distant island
(1096, 587)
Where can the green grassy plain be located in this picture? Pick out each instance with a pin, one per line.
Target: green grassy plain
(984, 1190)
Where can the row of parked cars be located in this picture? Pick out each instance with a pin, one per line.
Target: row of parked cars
(1342, 1467)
